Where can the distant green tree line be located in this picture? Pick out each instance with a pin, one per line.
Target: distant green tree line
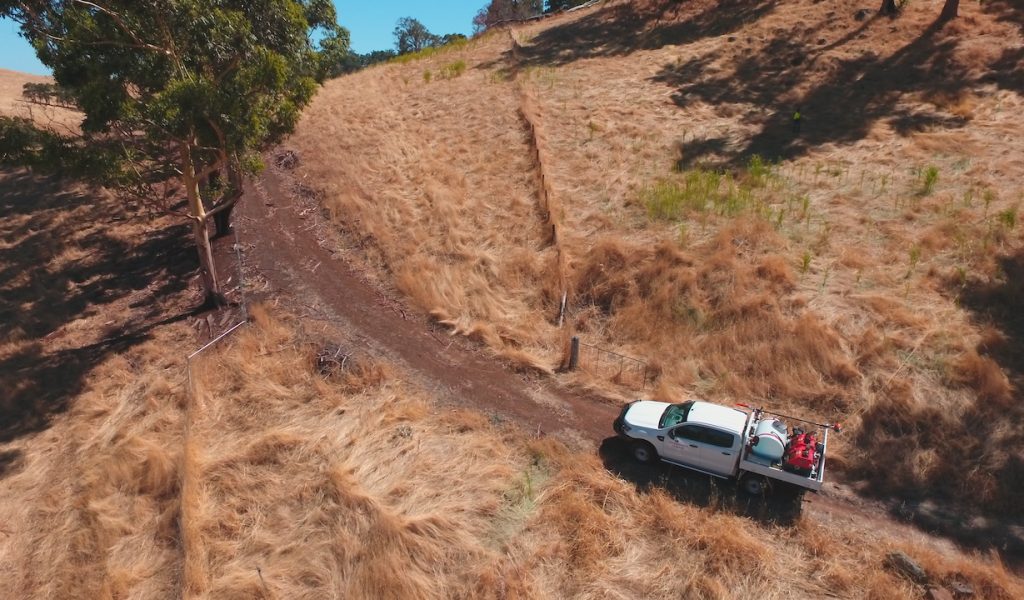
(410, 36)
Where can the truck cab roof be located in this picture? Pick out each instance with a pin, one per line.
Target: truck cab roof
(660, 415)
(715, 415)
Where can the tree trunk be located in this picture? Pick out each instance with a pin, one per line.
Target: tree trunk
(950, 10)
(222, 221)
(211, 287)
(888, 7)
(223, 218)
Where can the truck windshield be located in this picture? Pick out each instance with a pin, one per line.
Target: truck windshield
(675, 414)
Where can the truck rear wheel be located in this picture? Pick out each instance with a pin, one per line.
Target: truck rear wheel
(644, 452)
(755, 485)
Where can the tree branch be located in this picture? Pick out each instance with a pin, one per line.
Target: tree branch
(123, 26)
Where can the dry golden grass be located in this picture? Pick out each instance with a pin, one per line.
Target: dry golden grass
(457, 227)
(277, 483)
(359, 486)
(822, 288)
(90, 507)
(91, 437)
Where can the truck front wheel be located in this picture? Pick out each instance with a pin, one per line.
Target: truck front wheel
(644, 452)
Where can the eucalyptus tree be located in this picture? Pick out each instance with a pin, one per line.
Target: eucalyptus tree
(180, 96)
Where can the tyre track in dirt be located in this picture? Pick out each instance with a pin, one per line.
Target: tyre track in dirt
(289, 245)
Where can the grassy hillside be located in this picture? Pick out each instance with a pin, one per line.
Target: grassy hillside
(589, 155)
(275, 482)
(640, 158)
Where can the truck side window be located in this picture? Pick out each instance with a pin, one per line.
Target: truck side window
(694, 433)
(720, 438)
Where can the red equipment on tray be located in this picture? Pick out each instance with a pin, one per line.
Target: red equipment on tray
(801, 453)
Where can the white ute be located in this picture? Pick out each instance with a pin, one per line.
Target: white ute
(754, 447)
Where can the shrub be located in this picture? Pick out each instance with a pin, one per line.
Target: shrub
(667, 199)
(430, 51)
(453, 70)
(1008, 218)
(759, 171)
(929, 177)
(805, 261)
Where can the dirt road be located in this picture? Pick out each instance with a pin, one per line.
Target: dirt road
(291, 251)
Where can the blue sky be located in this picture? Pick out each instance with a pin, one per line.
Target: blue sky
(369, 22)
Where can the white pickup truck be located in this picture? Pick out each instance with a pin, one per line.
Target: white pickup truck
(754, 447)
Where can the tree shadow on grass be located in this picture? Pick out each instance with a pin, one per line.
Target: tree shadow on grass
(1000, 303)
(39, 384)
(10, 462)
(1008, 71)
(970, 486)
(626, 28)
(67, 254)
(691, 487)
(854, 94)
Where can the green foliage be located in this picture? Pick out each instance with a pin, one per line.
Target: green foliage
(1008, 218)
(988, 198)
(669, 199)
(759, 171)
(805, 208)
(500, 75)
(48, 94)
(708, 191)
(426, 76)
(351, 62)
(430, 51)
(665, 200)
(180, 90)
(915, 258)
(226, 78)
(805, 261)
(452, 70)
(929, 177)
(23, 144)
(20, 142)
(413, 36)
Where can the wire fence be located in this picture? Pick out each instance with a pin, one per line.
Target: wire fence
(242, 318)
(619, 368)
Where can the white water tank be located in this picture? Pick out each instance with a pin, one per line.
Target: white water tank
(770, 439)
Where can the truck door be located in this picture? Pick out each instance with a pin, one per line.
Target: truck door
(686, 444)
(720, 451)
(703, 447)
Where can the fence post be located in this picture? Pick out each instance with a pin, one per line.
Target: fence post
(574, 354)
